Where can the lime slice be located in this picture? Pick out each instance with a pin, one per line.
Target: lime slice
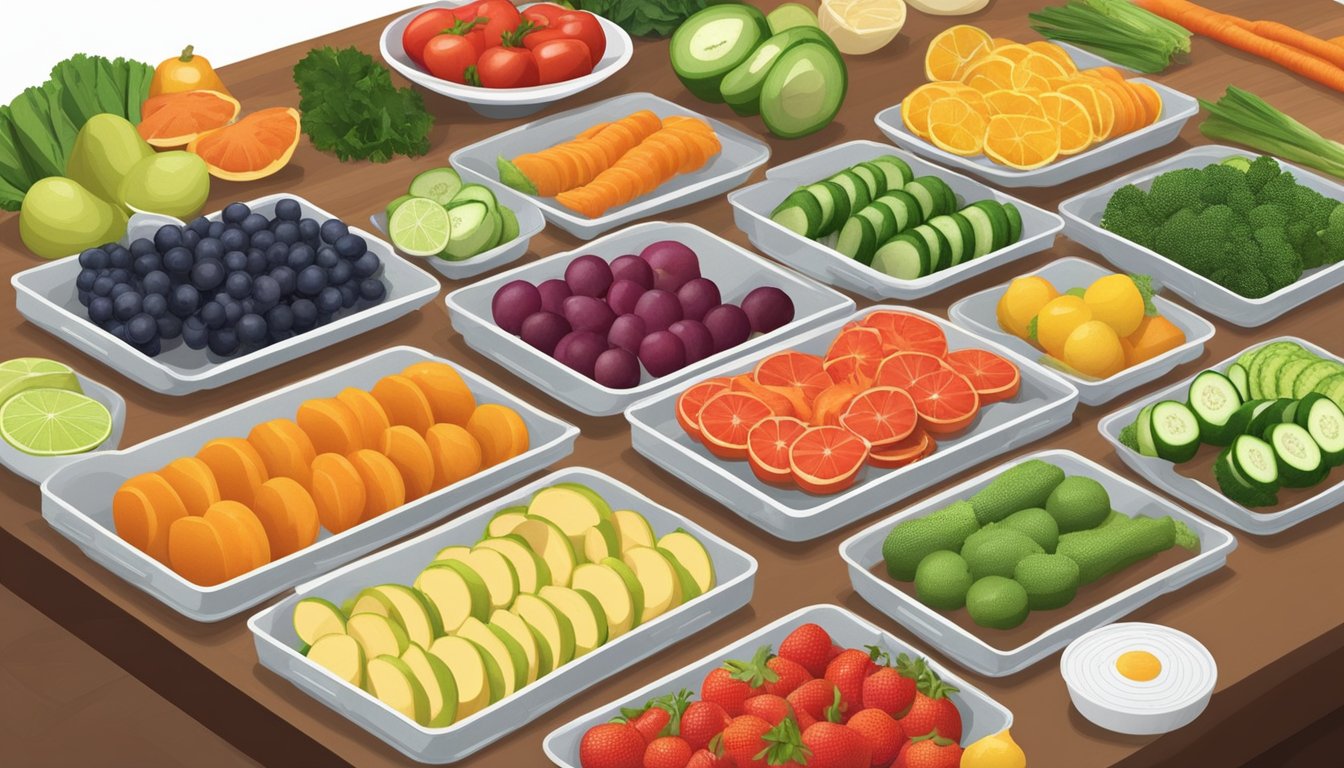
(419, 227)
(22, 366)
(54, 422)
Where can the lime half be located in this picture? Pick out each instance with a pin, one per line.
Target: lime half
(54, 422)
(419, 227)
(19, 367)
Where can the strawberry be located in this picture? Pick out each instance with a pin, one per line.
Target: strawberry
(790, 674)
(808, 646)
(816, 701)
(884, 734)
(612, 745)
(932, 710)
(848, 671)
(736, 681)
(931, 751)
(892, 689)
(769, 707)
(703, 758)
(667, 752)
(659, 716)
(836, 650)
(702, 721)
(832, 745)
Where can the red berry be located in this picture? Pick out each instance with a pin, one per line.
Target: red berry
(667, 752)
(652, 722)
(890, 691)
(736, 681)
(702, 721)
(770, 708)
(929, 752)
(848, 671)
(742, 740)
(884, 734)
(612, 745)
(932, 710)
(809, 646)
(791, 675)
(815, 700)
(705, 759)
(837, 746)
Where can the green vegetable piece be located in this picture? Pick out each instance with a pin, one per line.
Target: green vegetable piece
(942, 580)
(1102, 551)
(514, 178)
(1022, 486)
(910, 541)
(1241, 117)
(995, 550)
(1050, 581)
(1037, 524)
(997, 602)
(1078, 503)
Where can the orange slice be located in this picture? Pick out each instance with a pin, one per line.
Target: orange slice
(1014, 52)
(285, 449)
(500, 431)
(1021, 141)
(239, 554)
(144, 509)
(338, 492)
(196, 551)
(449, 396)
(949, 52)
(990, 73)
(252, 148)
(258, 545)
(1055, 53)
(237, 467)
(955, 127)
(289, 515)
(915, 106)
(1099, 108)
(1038, 72)
(176, 119)
(457, 455)
(331, 425)
(1149, 98)
(1072, 120)
(412, 457)
(194, 482)
(404, 402)
(1007, 102)
(370, 415)
(384, 489)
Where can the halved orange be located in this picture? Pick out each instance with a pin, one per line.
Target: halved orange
(338, 492)
(726, 418)
(174, 120)
(946, 401)
(768, 445)
(956, 127)
(238, 468)
(1007, 102)
(918, 445)
(252, 148)
(952, 48)
(881, 415)
(412, 457)
(827, 459)
(907, 332)
(457, 455)
(450, 398)
(901, 369)
(1021, 141)
(993, 377)
(854, 355)
(692, 399)
(501, 432)
(794, 369)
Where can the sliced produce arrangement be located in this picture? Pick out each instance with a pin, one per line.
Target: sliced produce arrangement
(886, 388)
(1277, 413)
(1245, 225)
(651, 312)
(1117, 30)
(549, 582)
(1093, 331)
(1025, 542)
(1021, 106)
(782, 67)
(439, 216)
(880, 214)
(612, 164)
(241, 503)
(44, 411)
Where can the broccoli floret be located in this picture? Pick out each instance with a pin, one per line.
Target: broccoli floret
(1176, 191)
(1282, 190)
(1263, 170)
(1129, 436)
(1312, 207)
(1222, 182)
(1242, 279)
(1268, 215)
(1127, 215)
(1332, 237)
(1279, 263)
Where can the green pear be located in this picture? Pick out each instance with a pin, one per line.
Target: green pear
(59, 218)
(172, 183)
(106, 149)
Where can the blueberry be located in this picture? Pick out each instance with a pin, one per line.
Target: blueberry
(157, 282)
(142, 247)
(288, 209)
(235, 213)
(255, 262)
(351, 246)
(223, 342)
(279, 336)
(148, 263)
(178, 260)
(300, 255)
(333, 230)
(255, 224)
(215, 229)
(340, 274)
(248, 306)
(285, 278)
(305, 314)
(151, 348)
(238, 284)
(277, 254)
(209, 248)
(233, 310)
(194, 334)
(235, 261)
(84, 297)
(121, 289)
(184, 300)
(116, 328)
(170, 327)
(167, 236)
(372, 289)
(349, 295)
(200, 225)
(251, 329)
(266, 291)
(207, 275)
(234, 240)
(190, 238)
(127, 305)
(103, 286)
(329, 300)
(154, 305)
(327, 257)
(100, 309)
(120, 275)
(119, 257)
(141, 328)
(312, 280)
(309, 231)
(280, 318)
(366, 265)
(93, 258)
(287, 232)
(263, 239)
(87, 277)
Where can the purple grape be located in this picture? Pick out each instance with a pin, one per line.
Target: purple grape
(627, 332)
(658, 309)
(728, 325)
(586, 313)
(673, 264)
(631, 267)
(579, 350)
(589, 276)
(695, 337)
(617, 369)
(697, 297)
(513, 303)
(623, 296)
(662, 352)
(553, 295)
(543, 330)
(768, 308)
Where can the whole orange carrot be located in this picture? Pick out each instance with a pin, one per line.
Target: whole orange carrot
(1296, 38)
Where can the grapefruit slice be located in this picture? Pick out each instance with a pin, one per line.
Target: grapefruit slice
(768, 445)
(802, 404)
(854, 355)
(827, 459)
(779, 404)
(993, 377)
(883, 416)
(945, 400)
(900, 369)
(902, 331)
(252, 148)
(913, 448)
(725, 420)
(794, 369)
(175, 119)
(693, 399)
(832, 402)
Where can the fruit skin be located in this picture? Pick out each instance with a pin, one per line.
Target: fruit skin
(848, 671)
(736, 681)
(997, 602)
(884, 734)
(702, 721)
(810, 646)
(172, 183)
(1021, 486)
(769, 707)
(106, 148)
(651, 723)
(930, 751)
(892, 689)
(612, 745)
(206, 142)
(942, 580)
(187, 72)
(703, 758)
(816, 700)
(1023, 300)
(933, 710)
(837, 746)
(743, 740)
(1050, 581)
(667, 752)
(1155, 335)
(910, 541)
(1116, 301)
(791, 675)
(1057, 319)
(995, 550)
(997, 751)
(1094, 349)
(1078, 503)
(59, 217)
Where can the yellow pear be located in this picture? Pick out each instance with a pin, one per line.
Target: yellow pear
(997, 751)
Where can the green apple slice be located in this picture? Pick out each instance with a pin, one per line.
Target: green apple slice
(500, 578)
(634, 529)
(547, 540)
(341, 655)
(574, 508)
(554, 628)
(621, 604)
(500, 648)
(537, 654)
(533, 573)
(689, 588)
(393, 682)
(315, 618)
(505, 520)
(466, 662)
(691, 555)
(377, 635)
(371, 601)
(414, 612)
(601, 541)
(437, 680)
(584, 613)
(662, 585)
(456, 592)
(453, 552)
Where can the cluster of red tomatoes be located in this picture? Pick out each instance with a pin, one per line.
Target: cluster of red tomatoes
(494, 45)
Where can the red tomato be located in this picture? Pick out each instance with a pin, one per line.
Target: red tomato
(501, 17)
(467, 12)
(561, 60)
(448, 56)
(536, 37)
(507, 68)
(545, 14)
(585, 27)
(422, 28)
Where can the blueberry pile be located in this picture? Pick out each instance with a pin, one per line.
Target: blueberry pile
(233, 285)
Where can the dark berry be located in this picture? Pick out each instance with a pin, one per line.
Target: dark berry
(333, 230)
(93, 258)
(351, 246)
(100, 309)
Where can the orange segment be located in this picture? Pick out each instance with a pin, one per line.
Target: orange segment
(1149, 98)
(194, 483)
(289, 515)
(457, 455)
(175, 119)
(196, 551)
(768, 445)
(692, 399)
(949, 52)
(235, 540)
(237, 467)
(915, 106)
(384, 489)
(258, 545)
(338, 492)
(404, 402)
(411, 455)
(144, 509)
(252, 148)
(285, 449)
(449, 397)
(370, 415)
(727, 418)
(827, 459)
(1055, 53)
(1038, 72)
(1021, 141)
(1072, 120)
(331, 426)
(1007, 102)
(500, 431)
(989, 73)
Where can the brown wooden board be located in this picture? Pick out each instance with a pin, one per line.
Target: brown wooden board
(1274, 618)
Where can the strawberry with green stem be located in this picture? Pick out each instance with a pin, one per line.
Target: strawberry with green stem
(932, 709)
(736, 681)
(752, 742)
(808, 646)
(612, 745)
(815, 701)
(702, 721)
(892, 688)
(929, 751)
(848, 671)
(667, 752)
(832, 745)
(660, 716)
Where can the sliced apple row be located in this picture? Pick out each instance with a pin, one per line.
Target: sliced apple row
(548, 583)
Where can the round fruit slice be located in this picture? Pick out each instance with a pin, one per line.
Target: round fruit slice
(827, 459)
(419, 227)
(854, 355)
(54, 422)
(176, 119)
(900, 369)
(794, 369)
(1021, 141)
(903, 331)
(252, 148)
(946, 401)
(693, 399)
(913, 448)
(726, 418)
(993, 377)
(882, 416)
(768, 445)
(955, 126)
(952, 49)
(915, 106)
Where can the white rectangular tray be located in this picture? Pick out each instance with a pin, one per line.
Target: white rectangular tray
(735, 269)
(980, 715)
(47, 298)
(752, 207)
(35, 469)
(863, 550)
(978, 312)
(1044, 404)
(1082, 222)
(740, 155)
(276, 642)
(77, 501)
(1203, 496)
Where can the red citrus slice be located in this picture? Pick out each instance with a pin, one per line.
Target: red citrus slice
(693, 399)
(900, 369)
(175, 119)
(913, 448)
(725, 420)
(946, 401)
(832, 402)
(882, 416)
(793, 369)
(252, 148)
(768, 446)
(802, 404)
(779, 404)
(827, 459)
(902, 331)
(993, 377)
(854, 355)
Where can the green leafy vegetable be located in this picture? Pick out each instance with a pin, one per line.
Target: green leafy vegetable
(351, 109)
(645, 18)
(1145, 285)
(1245, 118)
(1115, 29)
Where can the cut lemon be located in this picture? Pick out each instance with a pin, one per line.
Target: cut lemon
(54, 422)
(861, 26)
(1019, 141)
(419, 227)
(34, 373)
(1072, 120)
(956, 127)
(952, 49)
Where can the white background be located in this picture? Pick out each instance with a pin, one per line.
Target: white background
(39, 33)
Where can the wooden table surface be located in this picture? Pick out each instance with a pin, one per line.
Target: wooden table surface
(1274, 618)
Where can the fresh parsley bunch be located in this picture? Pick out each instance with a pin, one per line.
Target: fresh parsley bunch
(351, 109)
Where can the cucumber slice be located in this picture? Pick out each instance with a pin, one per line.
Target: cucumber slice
(791, 16)
(799, 213)
(1236, 487)
(1143, 431)
(1287, 376)
(1324, 421)
(473, 228)
(905, 257)
(960, 237)
(438, 184)
(1269, 375)
(711, 43)
(876, 181)
(1271, 413)
(1214, 400)
(1300, 461)
(939, 257)
(1307, 381)
(904, 207)
(509, 222)
(826, 201)
(741, 87)
(998, 222)
(1333, 388)
(1255, 461)
(828, 192)
(855, 189)
(898, 171)
(984, 230)
(804, 89)
(1241, 418)
(946, 200)
(858, 239)
(1175, 431)
(882, 219)
(470, 192)
(1236, 373)
(1014, 222)
(930, 196)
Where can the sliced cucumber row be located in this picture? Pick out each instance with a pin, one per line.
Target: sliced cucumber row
(1286, 369)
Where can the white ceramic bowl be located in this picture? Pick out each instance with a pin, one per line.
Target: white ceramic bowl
(502, 103)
